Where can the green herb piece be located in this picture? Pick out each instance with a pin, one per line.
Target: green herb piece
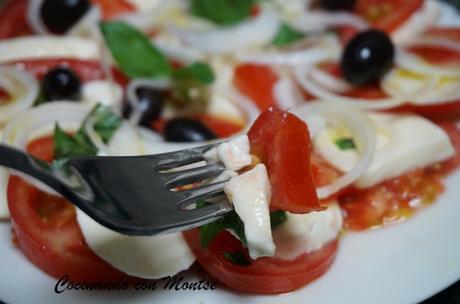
(222, 12)
(67, 146)
(277, 218)
(133, 51)
(196, 71)
(104, 121)
(345, 143)
(231, 221)
(237, 258)
(286, 35)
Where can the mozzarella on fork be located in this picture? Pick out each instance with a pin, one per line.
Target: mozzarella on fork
(404, 142)
(39, 47)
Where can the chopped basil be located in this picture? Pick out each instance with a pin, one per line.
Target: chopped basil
(67, 146)
(222, 12)
(345, 143)
(286, 35)
(196, 71)
(133, 51)
(277, 218)
(237, 258)
(231, 221)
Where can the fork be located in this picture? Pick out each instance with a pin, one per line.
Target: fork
(135, 195)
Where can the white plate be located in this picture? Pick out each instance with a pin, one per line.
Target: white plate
(405, 263)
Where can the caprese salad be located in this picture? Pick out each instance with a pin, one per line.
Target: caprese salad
(338, 114)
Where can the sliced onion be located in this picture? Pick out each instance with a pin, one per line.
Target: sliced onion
(176, 50)
(39, 121)
(22, 88)
(319, 21)
(303, 76)
(286, 93)
(360, 127)
(438, 42)
(416, 64)
(328, 81)
(257, 31)
(34, 18)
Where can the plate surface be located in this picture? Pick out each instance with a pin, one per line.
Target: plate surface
(404, 263)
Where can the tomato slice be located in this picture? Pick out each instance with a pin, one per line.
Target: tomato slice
(112, 9)
(13, 19)
(387, 15)
(256, 82)
(87, 70)
(47, 230)
(265, 275)
(282, 142)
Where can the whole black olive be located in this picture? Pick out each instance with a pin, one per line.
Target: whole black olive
(150, 103)
(61, 83)
(60, 15)
(367, 57)
(337, 5)
(186, 130)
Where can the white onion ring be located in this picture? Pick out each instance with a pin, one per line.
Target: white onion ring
(416, 64)
(34, 18)
(177, 51)
(39, 121)
(23, 89)
(438, 42)
(360, 127)
(329, 81)
(256, 31)
(319, 21)
(302, 74)
(286, 93)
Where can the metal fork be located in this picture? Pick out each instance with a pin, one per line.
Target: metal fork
(136, 195)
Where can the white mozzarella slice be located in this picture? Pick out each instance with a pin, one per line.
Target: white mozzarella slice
(101, 91)
(151, 257)
(404, 142)
(304, 233)
(36, 47)
(250, 194)
(125, 142)
(234, 154)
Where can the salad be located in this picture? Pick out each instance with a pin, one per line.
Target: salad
(337, 116)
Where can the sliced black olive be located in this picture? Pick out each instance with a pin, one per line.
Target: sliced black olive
(61, 83)
(337, 5)
(150, 103)
(186, 130)
(60, 15)
(367, 57)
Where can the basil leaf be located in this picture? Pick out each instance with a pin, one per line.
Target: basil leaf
(133, 51)
(105, 123)
(196, 71)
(231, 221)
(277, 218)
(345, 143)
(286, 35)
(222, 12)
(237, 258)
(67, 146)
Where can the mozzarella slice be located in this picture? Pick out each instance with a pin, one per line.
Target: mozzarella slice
(101, 91)
(404, 143)
(250, 194)
(234, 154)
(36, 47)
(304, 233)
(151, 257)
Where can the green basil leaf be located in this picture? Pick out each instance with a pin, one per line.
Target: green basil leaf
(67, 146)
(231, 221)
(105, 123)
(222, 12)
(345, 143)
(286, 35)
(237, 258)
(133, 51)
(277, 218)
(196, 71)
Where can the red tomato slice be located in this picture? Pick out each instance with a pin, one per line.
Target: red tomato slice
(282, 142)
(47, 230)
(112, 9)
(87, 70)
(387, 15)
(256, 82)
(13, 19)
(265, 275)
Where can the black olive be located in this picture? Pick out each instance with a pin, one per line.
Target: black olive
(186, 130)
(337, 5)
(150, 102)
(367, 57)
(61, 83)
(60, 15)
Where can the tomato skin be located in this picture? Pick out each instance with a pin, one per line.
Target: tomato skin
(282, 142)
(13, 19)
(256, 82)
(112, 9)
(265, 275)
(47, 230)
